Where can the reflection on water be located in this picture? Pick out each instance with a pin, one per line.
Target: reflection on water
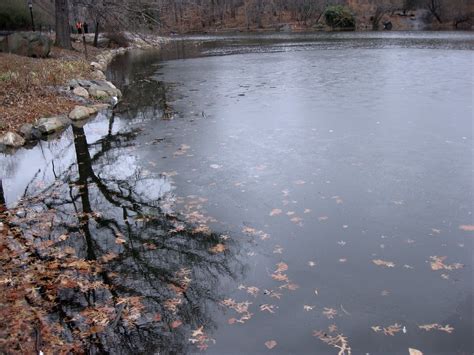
(304, 189)
(166, 261)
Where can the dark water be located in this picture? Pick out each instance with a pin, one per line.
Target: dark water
(301, 183)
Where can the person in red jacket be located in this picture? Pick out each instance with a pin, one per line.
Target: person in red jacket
(79, 27)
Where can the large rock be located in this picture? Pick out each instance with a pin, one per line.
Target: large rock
(81, 112)
(29, 44)
(27, 131)
(102, 86)
(80, 91)
(98, 75)
(97, 66)
(101, 107)
(51, 125)
(11, 139)
(98, 94)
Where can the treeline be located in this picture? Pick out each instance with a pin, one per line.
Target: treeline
(184, 16)
(208, 15)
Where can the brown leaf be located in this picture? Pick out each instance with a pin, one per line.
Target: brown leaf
(437, 263)
(329, 312)
(218, 248)
(270, 344)
(276, 212)
(392, 329)
(380, 262)
(267, 307)
(175, 324)
(281, 267)
(108, 257)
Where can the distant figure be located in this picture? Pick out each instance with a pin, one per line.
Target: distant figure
(79, 27)
(85, 27)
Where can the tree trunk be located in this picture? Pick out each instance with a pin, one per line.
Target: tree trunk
(63, 33)
(96, 35)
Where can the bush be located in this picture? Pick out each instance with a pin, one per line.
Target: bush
(14, 15)
(117, 39)
(338, 16)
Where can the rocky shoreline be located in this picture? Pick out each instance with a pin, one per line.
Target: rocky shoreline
(95, 95)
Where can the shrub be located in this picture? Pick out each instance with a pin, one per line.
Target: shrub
(117, 39)
(14, 15)
(338, 16)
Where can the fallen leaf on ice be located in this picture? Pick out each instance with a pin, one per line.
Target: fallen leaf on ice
(120, 241)
(281, 267)
(437, 263)
(107, 257)
(175, 324)
(267, 307)
(447, 329)
(429, 327)
(218, 248)
(276, 212)
(279, 277)
(278, 250)
(198, 332)
(435, 326)
(338, 341)
(380, 262)
(392, 329)
(297, 220)
(329, 312)
(270, 344)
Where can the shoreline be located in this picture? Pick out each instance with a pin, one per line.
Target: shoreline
(87, 97)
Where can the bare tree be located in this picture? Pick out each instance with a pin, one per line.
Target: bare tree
(380, 11)
(434, 6)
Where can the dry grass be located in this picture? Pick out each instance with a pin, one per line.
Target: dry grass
(28, 86)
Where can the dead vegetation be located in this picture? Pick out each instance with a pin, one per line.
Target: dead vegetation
(29, 86)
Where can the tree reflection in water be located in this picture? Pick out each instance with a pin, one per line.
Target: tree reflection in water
(112, 210)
